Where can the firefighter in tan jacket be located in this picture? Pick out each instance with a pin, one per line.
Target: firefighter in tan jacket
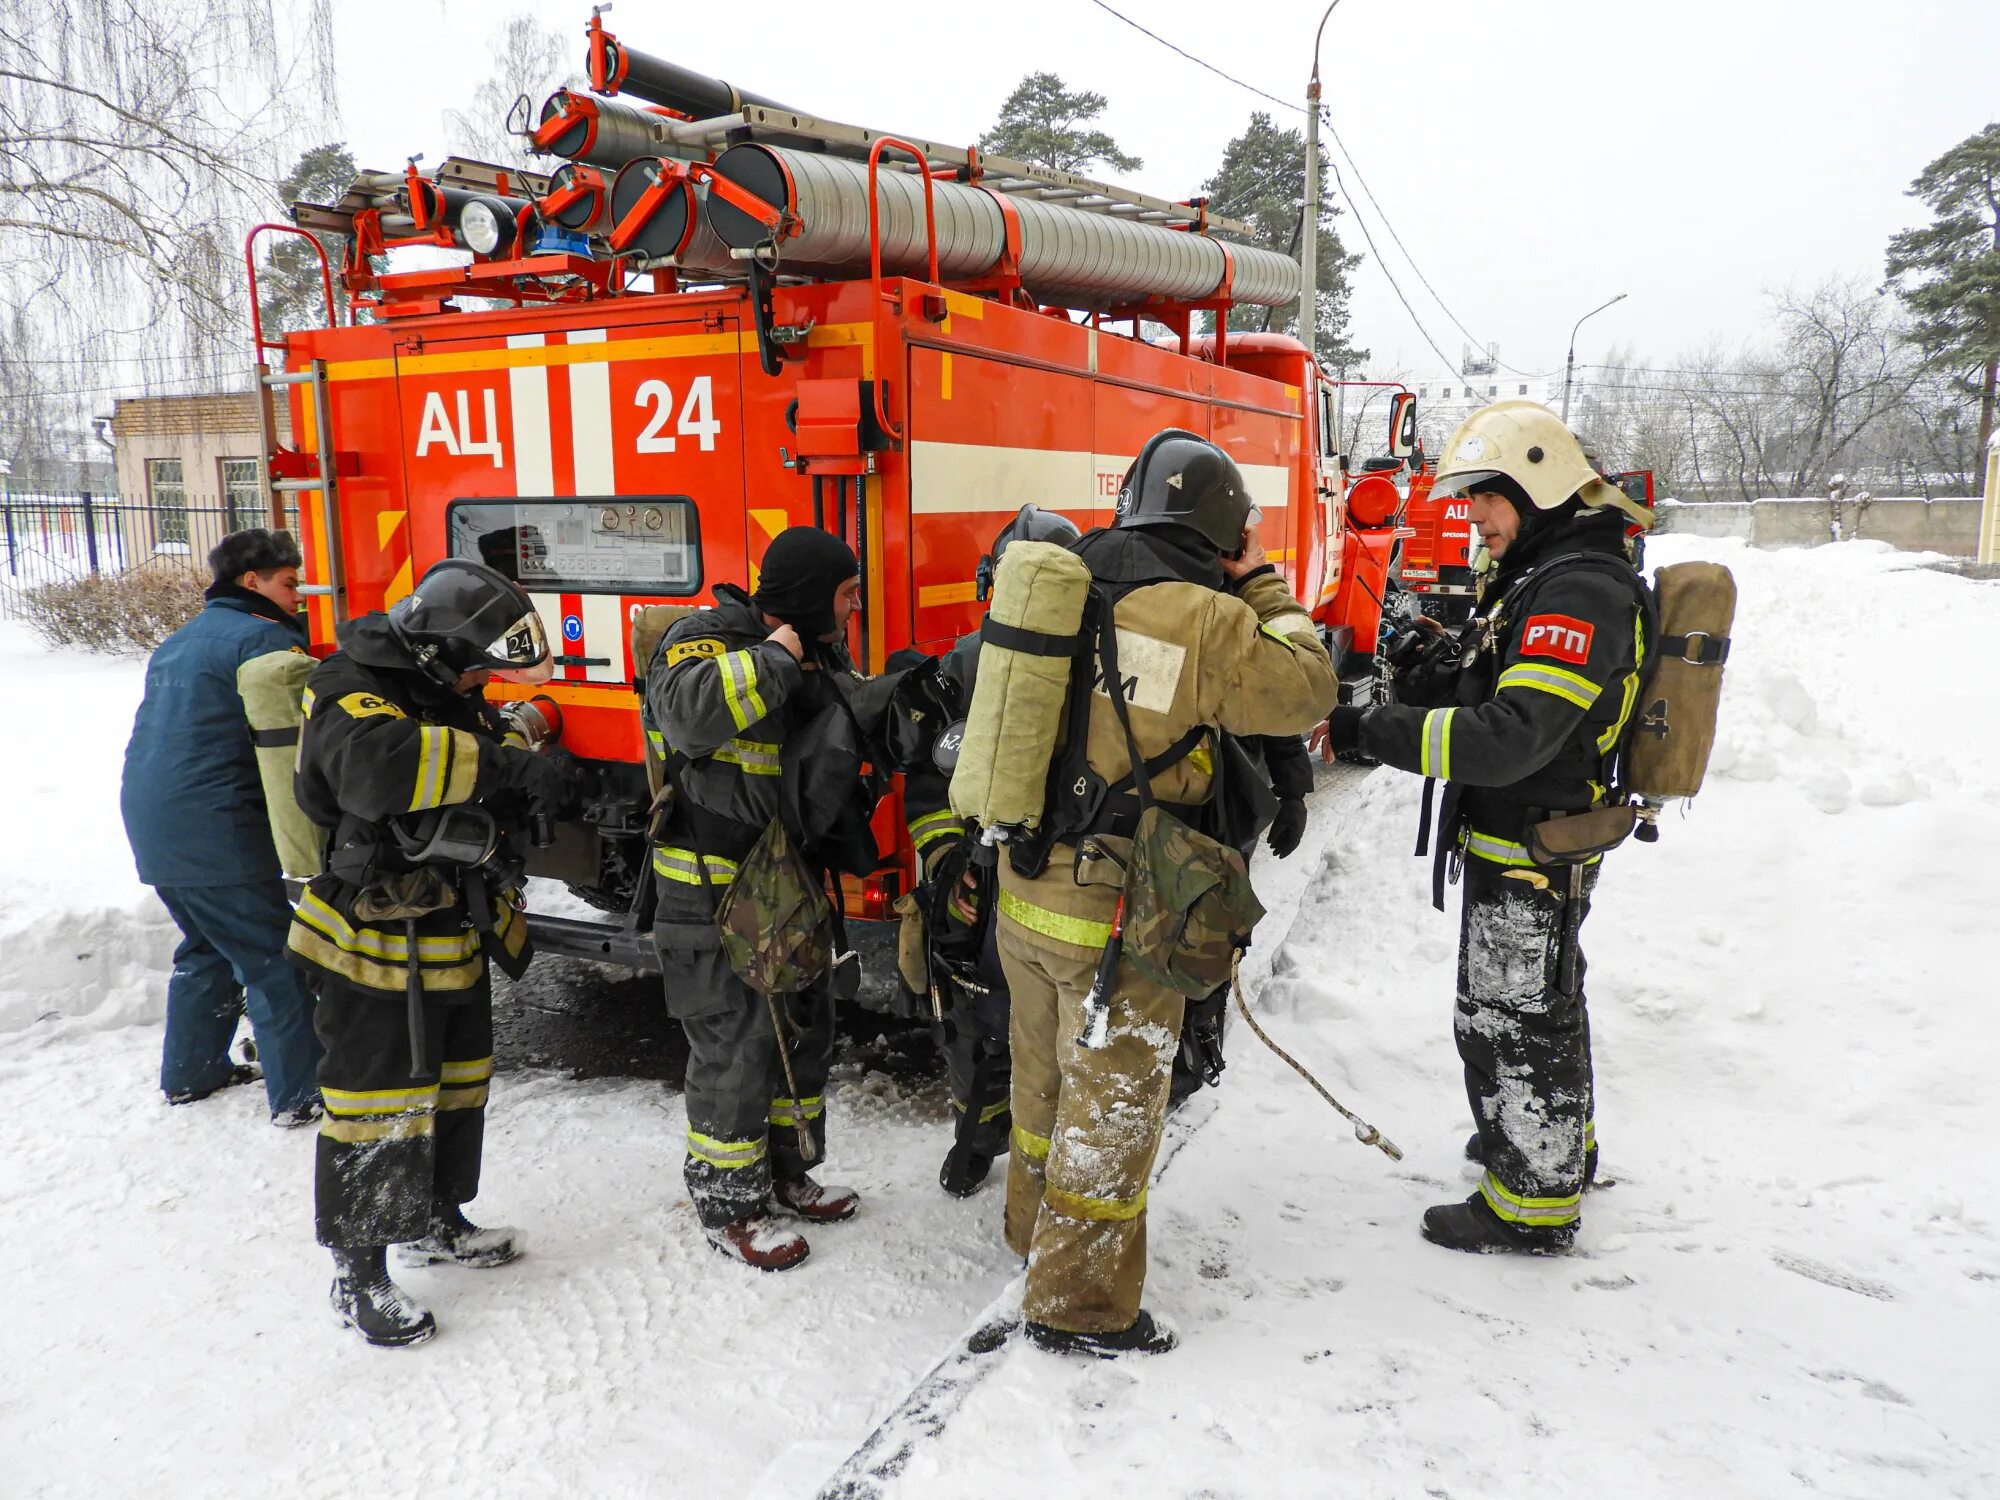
(1208, 637)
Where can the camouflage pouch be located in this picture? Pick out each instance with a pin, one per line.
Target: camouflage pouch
(776, 925)
(1189, 906)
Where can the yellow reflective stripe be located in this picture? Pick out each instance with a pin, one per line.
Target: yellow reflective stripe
(729, 1155)
(1201, 760)
(752, 756)
(1499, 851)
(1434, 755)
(367, 1132)
(1081, 931)
(377, 975)
(659, 743)
(1571, 687)
(993, 1112)
(472, 1096)
(790, 1112)
(379, 1101)
(931, 827)
(432, 749)
(679, 865)
(306, 703)
(1589, 1134)
(1079, 1206)
(739, 688)
(1516, 1209)
(1033, 1147)
(476, 1070)
(390, 947)
(1610, 736)
(464, 773)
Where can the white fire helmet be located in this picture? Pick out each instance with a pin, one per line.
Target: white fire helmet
(1529, 444)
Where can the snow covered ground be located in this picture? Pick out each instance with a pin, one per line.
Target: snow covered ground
(1793, 1288)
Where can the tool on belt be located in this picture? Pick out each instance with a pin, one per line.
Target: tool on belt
(1097, 1003)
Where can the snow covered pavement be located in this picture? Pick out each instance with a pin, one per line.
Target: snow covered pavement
(1793, 1288)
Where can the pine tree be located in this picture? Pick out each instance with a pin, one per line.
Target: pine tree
(1262, 182)
(1948, 271)
(289, 291)
(1047, 125)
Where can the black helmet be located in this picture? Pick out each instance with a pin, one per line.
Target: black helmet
(1179, 479)
(462, 616)
(1030, 524)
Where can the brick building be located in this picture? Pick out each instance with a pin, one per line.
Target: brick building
(187, 471)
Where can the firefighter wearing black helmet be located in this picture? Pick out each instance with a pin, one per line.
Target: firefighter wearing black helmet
(963, 965)
(1517, 715)
(423, 798)
(1210, 644)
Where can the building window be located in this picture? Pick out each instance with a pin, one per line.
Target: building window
(1444, 393)
(242, 495)
(1524, 390)
(1423, 390)
(1493, 390)
(169, 500)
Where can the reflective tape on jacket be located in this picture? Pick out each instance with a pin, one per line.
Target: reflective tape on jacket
(933, 826)
(1610, 736)
(1498, 851)
(447, 767)
(1083, 1206)
(788, 1112)
(679, 865)
(374, 942)
(739, 687)
(1081, 931)
(1571, 687)
(751, 757)
(1031, 1146)
(987, 1115)
(1534, 1212)
(730, 1156)
(1434, 756)
(396, 1101)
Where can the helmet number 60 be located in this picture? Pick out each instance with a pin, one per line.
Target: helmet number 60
(697, 415)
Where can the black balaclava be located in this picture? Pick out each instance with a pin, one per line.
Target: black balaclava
(802, 569)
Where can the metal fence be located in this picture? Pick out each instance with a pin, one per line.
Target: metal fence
(48, 540)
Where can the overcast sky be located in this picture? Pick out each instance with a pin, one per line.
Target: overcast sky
(1536, 156)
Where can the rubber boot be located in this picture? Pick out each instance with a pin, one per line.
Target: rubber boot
(1473, 1226)
(809, 1201)
(366, 1300)
(239, 1073)
(1475, 1151)
(1146, 1336)
(761, 1242)
(456, 1240)
(963, 1171)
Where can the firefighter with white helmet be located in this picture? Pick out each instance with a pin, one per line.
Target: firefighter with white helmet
(424, 796)
(1519, 715)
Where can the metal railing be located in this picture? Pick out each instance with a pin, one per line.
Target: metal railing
(46, 540)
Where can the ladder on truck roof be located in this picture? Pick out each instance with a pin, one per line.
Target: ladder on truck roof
(267, 383)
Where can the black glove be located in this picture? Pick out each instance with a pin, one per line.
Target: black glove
(552, 782)
(1343, 730)
(1288, 827)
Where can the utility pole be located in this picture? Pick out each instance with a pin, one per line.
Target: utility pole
(1569, 366)
(1309, 209)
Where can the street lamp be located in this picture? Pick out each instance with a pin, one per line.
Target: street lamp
(1569, 368)
(1309, 206)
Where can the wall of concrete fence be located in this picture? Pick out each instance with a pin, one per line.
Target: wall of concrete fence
(1947, 526)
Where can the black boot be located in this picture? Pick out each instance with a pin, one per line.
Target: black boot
(963, 1171)
(366, 1300)
(1475, 1150)
(239, 1074)
(1145, 1336)
(1473, 1226)
(456, 1240)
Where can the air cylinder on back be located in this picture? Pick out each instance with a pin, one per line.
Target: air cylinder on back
(1039, 593)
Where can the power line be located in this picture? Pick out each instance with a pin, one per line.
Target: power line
(1198, 61)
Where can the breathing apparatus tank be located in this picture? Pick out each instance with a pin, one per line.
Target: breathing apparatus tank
(1026, 649)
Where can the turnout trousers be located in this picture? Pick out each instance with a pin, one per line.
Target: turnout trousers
(390, 1143)
(1525, 1044)
(1086, 1130)
(742, 1117)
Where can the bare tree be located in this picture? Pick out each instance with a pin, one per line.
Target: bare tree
(530, 62)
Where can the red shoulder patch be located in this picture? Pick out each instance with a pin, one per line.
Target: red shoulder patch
(1562, 636)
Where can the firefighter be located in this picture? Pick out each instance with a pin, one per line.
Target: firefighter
(963, 962)
(745, 703)
(410, 772)
(1208, 635)
(212, 837)
(1517, 714)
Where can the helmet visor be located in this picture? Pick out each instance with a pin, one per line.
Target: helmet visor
(520, 649)
(1463, 483)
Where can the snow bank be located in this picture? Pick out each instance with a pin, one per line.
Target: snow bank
(82, 942)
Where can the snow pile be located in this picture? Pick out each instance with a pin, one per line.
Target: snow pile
(1791, 1288)
(82, 942)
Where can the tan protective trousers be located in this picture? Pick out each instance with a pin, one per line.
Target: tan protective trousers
(1086, 1130)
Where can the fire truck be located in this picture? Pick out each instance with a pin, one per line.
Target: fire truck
(720, 317)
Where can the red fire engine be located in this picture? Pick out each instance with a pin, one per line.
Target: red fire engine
(765, 320)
